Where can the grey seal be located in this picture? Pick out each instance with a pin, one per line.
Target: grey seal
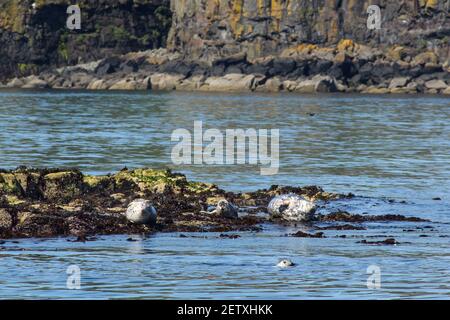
(285, 263)
(141, 211)
(292, 207)
(224, 209)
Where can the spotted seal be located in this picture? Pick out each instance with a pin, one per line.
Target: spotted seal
(285, 263)
(141, 211)
(224, 209)
(292, 207)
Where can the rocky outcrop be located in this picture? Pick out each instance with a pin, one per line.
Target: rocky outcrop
(34, 38)
(52, 202)
(55, 202)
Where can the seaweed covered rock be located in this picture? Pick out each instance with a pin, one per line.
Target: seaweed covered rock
(65, 185)
(160, 181)
(66, 202)
(6, 221)
(51, 202)
(9, 184)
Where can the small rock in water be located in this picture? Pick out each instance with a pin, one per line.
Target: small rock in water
(342, 227)
(83, 238)
(301, 234)
(141, 212)
(229, 236)
(292, 207)
(437, 199)
(389, 241)
(285, 263)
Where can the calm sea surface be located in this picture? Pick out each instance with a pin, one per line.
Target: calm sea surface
(393, 152)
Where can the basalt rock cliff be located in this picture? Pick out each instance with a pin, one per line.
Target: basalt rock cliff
(208, 28)
(228, 45)
(33, 33)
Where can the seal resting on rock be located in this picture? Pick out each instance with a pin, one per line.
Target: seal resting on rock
(292, 207)
(225, 209)
(141, 211)
(285, 263)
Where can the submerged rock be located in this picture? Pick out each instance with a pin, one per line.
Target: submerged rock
(229, 236)
(347, 217)
(301, 234)
(389, 241)
(342, 227)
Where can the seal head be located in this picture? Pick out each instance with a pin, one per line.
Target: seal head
(226, 210)
(285, 263)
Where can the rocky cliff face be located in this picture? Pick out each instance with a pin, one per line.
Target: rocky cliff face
(227, 45)
(33, 33)
(209, 28)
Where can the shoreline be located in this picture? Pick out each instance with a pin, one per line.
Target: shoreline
(230, 83)
(307, 69)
